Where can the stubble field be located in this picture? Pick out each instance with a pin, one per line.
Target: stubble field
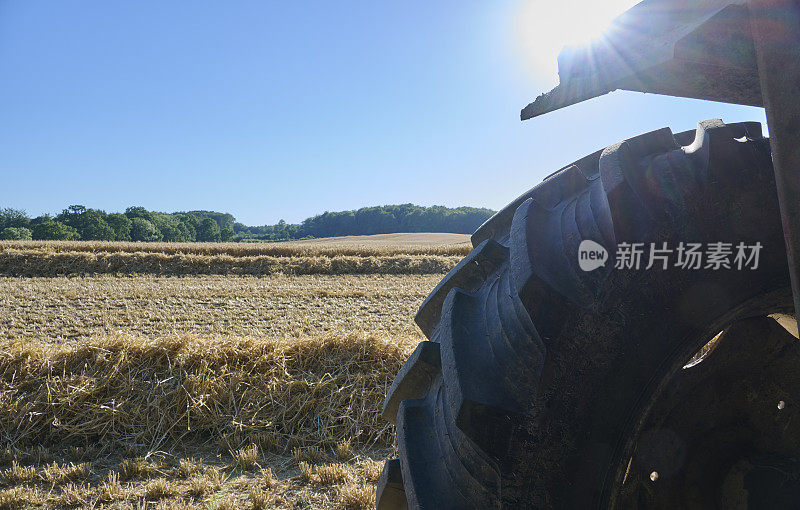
(235, 389)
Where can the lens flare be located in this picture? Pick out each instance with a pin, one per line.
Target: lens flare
(543, 28)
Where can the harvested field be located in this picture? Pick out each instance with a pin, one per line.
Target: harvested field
(362, 246)
(382, 254)
(194, 421)
(79, 308)
(200, 391)
(126, 390)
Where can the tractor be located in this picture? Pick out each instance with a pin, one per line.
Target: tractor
(623, 335)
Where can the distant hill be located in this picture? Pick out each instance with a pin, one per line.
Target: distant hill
(386, 219)
(78, 222)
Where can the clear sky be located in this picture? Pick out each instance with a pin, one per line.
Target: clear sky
(272, 110)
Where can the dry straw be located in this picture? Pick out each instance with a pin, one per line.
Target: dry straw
(319, 248)
(125, 390)
(46, 262)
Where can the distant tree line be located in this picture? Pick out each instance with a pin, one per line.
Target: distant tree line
(78, 222)
(135, 224)
(396, 218)
(386, 219)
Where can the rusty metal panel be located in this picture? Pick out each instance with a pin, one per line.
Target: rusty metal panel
(698, 49)
(776, 30)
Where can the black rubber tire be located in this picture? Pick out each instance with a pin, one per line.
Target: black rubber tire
(529, 389)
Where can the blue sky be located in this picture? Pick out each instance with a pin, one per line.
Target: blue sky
(272, 110)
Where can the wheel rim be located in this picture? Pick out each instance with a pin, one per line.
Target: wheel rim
(722, 432)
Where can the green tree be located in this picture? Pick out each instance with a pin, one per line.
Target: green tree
(40, 219)
(189, 222)
(93, 226)
(16, 233)
(121, 225)
(223, 219)
(226, 234)
(139, 212)
(54, 230)
(71, 214)
(144, 230)
(208, 230)
(90, 223)
(171, 227)
(13, 218)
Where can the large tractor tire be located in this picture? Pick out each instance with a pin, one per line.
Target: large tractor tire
(546, 386)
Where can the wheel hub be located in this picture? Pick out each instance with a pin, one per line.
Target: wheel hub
(724, 432)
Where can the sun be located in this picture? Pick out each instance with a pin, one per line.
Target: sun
(544, 27)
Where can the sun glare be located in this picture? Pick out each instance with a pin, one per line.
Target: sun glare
(543, 28)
